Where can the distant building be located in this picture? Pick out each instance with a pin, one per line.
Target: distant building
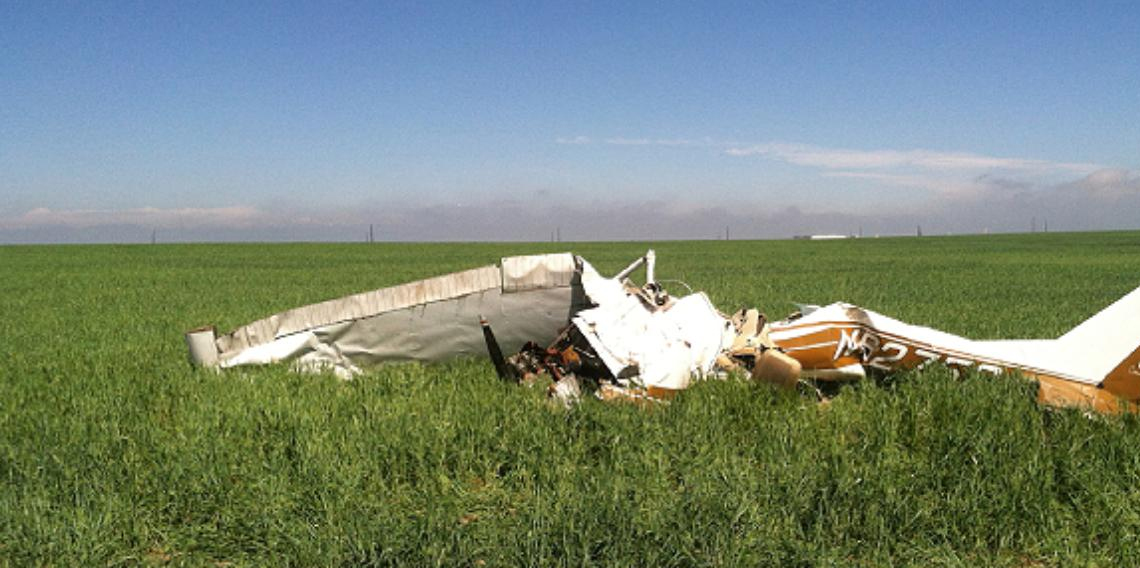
(822, 237)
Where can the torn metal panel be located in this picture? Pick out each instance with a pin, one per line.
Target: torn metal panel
(522, 273)
(661, 348)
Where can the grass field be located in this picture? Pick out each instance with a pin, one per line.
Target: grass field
(113, 451)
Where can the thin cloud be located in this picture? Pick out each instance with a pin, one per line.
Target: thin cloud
(574, 140)
(1102, 200)
(659, 142)
(932, 183)
(862, 160)
(641, 141)
(236, 216)
(848, 159)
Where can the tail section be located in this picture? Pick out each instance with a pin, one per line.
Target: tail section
(1109, 346)
(1095, 364)
(1124, 380)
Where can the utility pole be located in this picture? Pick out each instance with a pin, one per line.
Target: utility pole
(918, 231)
(371, 235)
(727, 237)
(558, 232)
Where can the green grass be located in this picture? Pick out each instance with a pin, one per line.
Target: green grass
(113, 451)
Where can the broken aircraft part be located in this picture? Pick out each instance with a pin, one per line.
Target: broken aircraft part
(527, 298)
(638, 342)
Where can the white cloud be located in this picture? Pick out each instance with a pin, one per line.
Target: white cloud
(1102, 185)
(1106, 183)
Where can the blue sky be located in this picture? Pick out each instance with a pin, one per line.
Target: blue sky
(502, 120)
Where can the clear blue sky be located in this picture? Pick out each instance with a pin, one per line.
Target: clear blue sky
(500, 121)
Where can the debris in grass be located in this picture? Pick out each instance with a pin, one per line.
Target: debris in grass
(618, 340)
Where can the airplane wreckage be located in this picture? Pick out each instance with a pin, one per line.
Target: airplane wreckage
(589, 333)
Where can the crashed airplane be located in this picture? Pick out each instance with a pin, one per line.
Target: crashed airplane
(559, 317)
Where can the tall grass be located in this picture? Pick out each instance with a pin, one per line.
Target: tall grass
(114, 452)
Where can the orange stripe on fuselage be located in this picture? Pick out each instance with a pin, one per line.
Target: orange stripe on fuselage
(859, 343)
